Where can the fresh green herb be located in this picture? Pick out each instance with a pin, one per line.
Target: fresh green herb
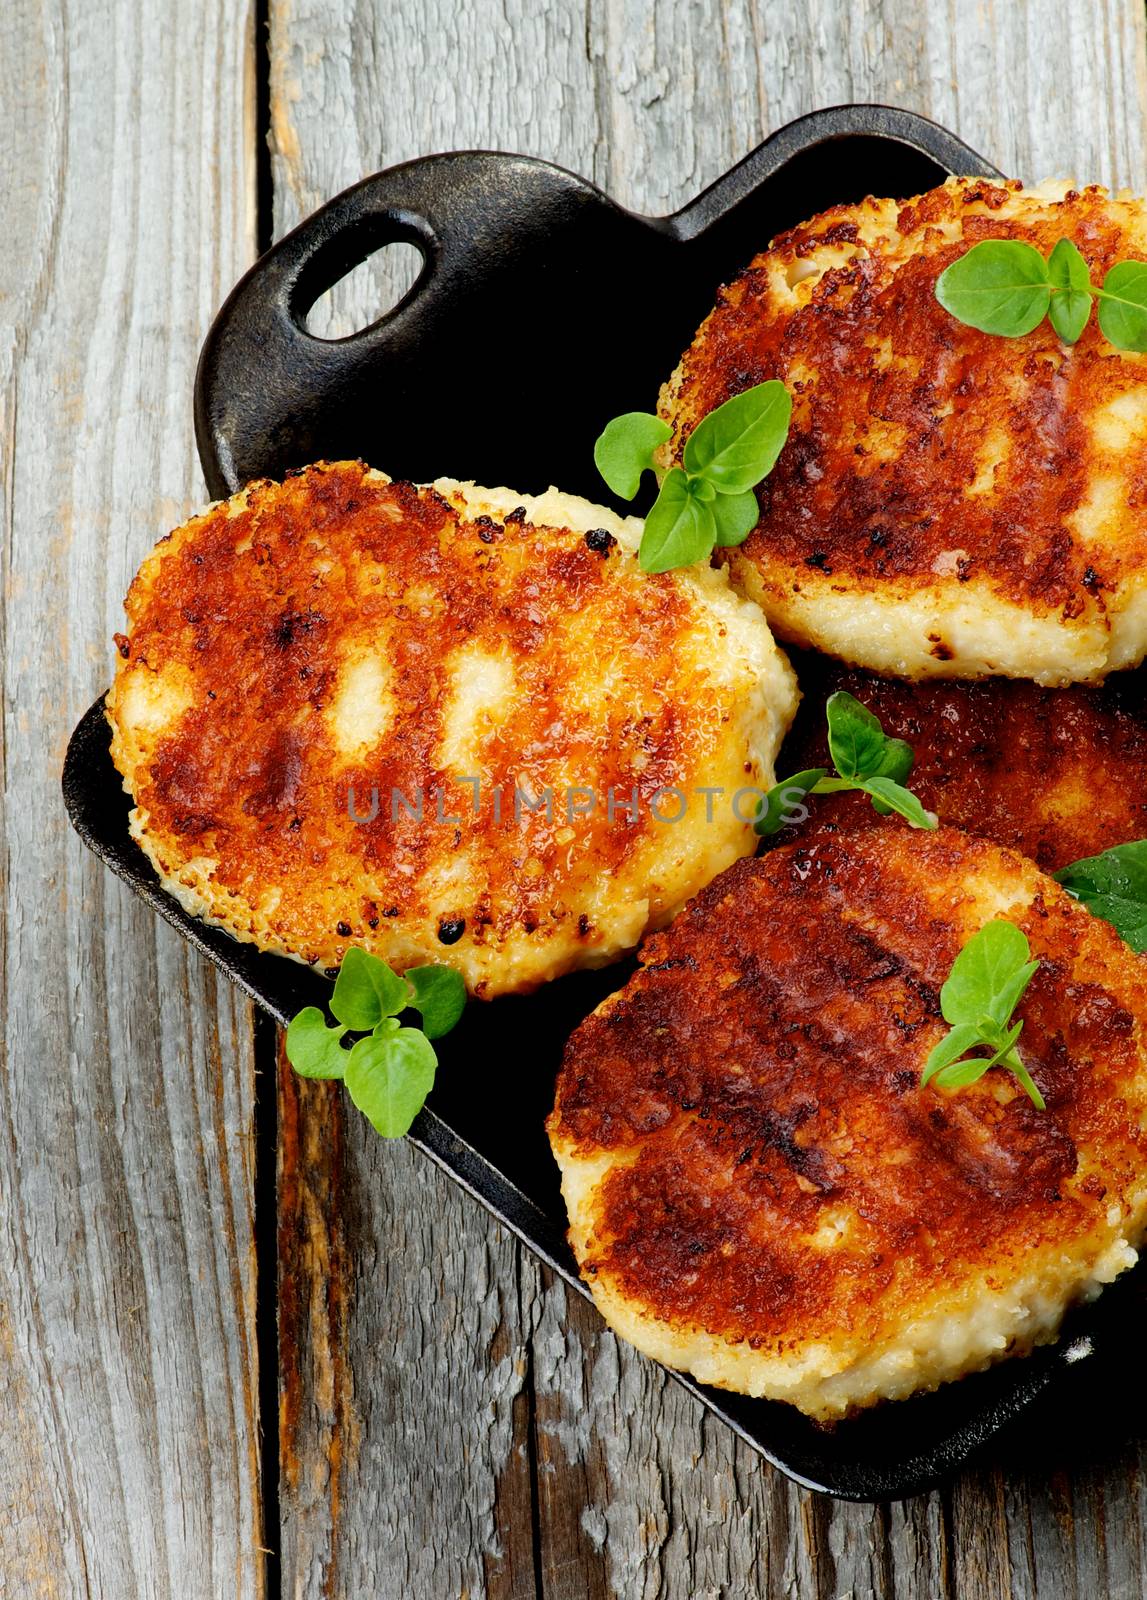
(390, 1072)
(983, 989)
(440, 995)
(1070, 282)
(865, 759)
(626, 449)
(709, 499)
(1123, 306)
(999, 286)
(1005, 286)
(1114, 886)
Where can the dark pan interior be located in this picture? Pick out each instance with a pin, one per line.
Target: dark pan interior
(561, 310)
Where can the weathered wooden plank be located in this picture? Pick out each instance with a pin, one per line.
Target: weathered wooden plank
(129, 1461)
(635, 1492)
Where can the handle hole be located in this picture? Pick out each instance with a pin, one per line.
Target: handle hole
(367, 292)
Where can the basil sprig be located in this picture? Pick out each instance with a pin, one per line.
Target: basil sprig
(865, 758)
(1113, 886)
(983, 989)
(709, 499)
(1005, 286)
(390, 1071)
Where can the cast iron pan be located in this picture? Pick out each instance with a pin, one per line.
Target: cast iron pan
(543, 309)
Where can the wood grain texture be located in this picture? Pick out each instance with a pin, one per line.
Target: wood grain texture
(129, 1464)
(474, 1390)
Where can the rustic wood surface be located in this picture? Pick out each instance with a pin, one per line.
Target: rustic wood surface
(452, 1422)
(129, 1462)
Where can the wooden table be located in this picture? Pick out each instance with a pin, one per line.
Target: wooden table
(437, 1416)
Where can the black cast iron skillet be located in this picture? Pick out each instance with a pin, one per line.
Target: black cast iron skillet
(543, 309)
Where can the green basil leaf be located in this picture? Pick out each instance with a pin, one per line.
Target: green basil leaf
(313, 1049)
(736, 515)
(678, 530)
(737, 444)
(999, 286)
(784, 799)
(1071, 303)
(1123, 306)
(1001, 1045)
(896, 762)
(951, 1046)
(960, 1073)
(389, 1078)
(440, 995)
(986, 983)
(365, 990)
(1113, 886)
(1010, 992)
(990, 959)
(1066, 268)
(884, 792)
(856, 740)
(625, 450)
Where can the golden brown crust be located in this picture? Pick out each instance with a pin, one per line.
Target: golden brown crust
(951, 470)
(755, 1087)
(1057, 774)
(341, 633)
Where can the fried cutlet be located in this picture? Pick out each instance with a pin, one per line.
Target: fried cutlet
(1058, 774)
(949, 503)
(341, 704)
(760, 1191)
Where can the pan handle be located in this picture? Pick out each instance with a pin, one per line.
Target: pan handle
(262, 374)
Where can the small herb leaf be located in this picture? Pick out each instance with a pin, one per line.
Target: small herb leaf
(679, 529)
(782, 805)
(366, 990)
(999, 286)
(440, 996)
(1071, 302)
(864, 757)
(1011, 991)
(958, 1074)
(949, 1049)
(887, 795)
(735, 515)
(1114, 886)
(991, 958)
(737, 444)
(625, 450)
(390, 1072)
(313, 1049)
(856, 741)
(1123, 306)
(389, 1077)
(986, 983)
(896, 761)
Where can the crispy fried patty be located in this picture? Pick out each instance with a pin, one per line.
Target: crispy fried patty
(759, 1190)
(341, 703)
(1056, 773)
(949, 503)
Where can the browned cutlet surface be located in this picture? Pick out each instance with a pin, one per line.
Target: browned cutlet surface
(1058, 774)
(340, 634)
(949, 503)
(759, 1189)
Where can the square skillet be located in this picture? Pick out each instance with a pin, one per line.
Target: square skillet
(577, 310)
